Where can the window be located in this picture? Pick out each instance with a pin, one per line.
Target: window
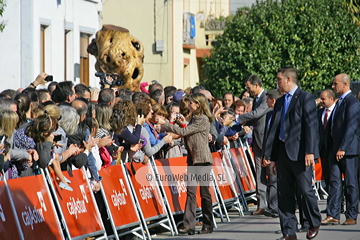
(84, 59)
(210, 38)
(42, 47)
(66, 53)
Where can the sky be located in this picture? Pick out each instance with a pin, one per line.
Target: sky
(235, 4)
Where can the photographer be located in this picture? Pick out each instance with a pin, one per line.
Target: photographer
(109, 80)
(41, 79)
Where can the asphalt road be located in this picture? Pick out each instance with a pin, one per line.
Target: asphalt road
(263, 228)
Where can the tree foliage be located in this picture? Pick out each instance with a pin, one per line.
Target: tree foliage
(316, 37)
(2, 7)
(353, 7)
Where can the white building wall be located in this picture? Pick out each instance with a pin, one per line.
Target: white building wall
(10, 47)
(178, 56)
(20, 40)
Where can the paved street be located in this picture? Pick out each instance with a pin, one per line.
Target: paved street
(263, 228)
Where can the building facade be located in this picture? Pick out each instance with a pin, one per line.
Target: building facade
(49, 36)
(176, 34)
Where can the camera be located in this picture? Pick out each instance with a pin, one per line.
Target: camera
(57, 138)
(117, 81)
(100, 75)
(178, 116)
(49, 78)
(141, 140)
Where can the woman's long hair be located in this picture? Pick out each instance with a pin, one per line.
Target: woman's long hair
(103, 115)
(203, 109)
(124, 114)
(23, 105)
(45, 123)
(8, 121)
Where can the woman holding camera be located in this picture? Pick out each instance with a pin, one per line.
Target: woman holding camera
(199, 161)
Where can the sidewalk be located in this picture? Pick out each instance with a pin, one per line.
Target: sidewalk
(263, 228)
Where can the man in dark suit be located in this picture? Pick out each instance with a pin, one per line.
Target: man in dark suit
(344, 153)
(327, 98)
(293, 144)
(256, 118)
(271, 187)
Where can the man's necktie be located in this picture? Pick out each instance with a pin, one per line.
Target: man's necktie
(256, 100)
(283, 116)
(326, 117)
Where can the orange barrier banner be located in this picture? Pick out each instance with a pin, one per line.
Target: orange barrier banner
(148, 195)
(8, 228)
(118, 196)
(34, 208)
(318, 171)
(221, 177)
(243, 170)
(230, 170)
(78, 207)
(175, 190)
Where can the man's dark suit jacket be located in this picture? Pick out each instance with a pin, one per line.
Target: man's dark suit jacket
(267, 128)
(345, 131)
(323, 133)
(301, 128)
(256, 118)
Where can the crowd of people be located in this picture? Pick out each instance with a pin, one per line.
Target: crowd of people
(60, 126)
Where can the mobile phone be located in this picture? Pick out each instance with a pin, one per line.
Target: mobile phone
(49, 78)
(139, 111)
(57, 138)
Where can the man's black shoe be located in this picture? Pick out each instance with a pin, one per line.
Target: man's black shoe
(271, 213)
